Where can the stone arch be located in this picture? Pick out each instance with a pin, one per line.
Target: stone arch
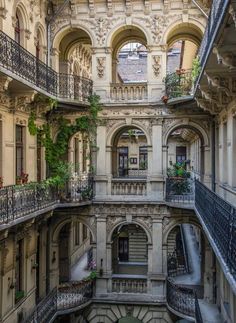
(178, 28)
(189, 124)
(172, 224)
(20, 7)
(124, 222)
(59, 226)
(64, 30)
(121, 126)
(121, 27)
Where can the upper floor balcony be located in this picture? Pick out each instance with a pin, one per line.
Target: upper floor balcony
(21, 202)
(22, 66)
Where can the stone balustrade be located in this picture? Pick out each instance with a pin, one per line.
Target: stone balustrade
(129, 285)
(129, 92)
(129, 187)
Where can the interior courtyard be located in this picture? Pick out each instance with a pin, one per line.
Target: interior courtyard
(117, 161)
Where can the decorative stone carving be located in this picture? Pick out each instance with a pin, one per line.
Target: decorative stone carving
(233, 14)
(112, 222)
(225, 58)
(156, 65)
(101, 61)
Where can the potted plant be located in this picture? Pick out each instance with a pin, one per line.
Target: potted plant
(165, 99)
(24, 178)
(18, 180)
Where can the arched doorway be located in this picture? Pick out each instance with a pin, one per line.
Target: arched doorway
(75, 65)
(130, 154)
(182, 64)
(129, 250)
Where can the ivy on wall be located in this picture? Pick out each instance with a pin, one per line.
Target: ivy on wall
(55, 150)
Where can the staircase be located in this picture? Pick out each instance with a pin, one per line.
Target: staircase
(137, 246)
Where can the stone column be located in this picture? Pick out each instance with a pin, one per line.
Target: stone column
(156, 65)
(102, 265)
(101, 72)
(102, 167)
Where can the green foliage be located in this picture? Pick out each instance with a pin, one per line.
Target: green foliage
(54, 151)
(178, 170)
(33, 130)
(196, 69)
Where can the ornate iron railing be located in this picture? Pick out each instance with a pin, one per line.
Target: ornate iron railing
(181, 299)
(198, 314)
(217, 13)
(18, 201)
(176, 264)
(179, 84)
(20, 62)
(219, 217)
(66, 296)
(179, 190)
(80, 188)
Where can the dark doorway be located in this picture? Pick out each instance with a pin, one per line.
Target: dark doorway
(123, 249)
(64, 263)
(123, 160)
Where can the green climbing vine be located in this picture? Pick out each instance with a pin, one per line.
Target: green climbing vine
(54, 150)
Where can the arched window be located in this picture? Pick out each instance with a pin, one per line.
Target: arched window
(17, 30)
(37, 45)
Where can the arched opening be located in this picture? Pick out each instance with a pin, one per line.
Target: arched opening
(130, 153)
(129, 250)
(189, 258)
(129, 64)
(185, 161)
(75, 253)
(132, 63)
(75, 64)
(129, 48)
(182, 65)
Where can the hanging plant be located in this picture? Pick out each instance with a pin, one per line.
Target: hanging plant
(54, 151)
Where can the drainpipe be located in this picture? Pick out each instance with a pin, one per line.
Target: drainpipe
(213, 156)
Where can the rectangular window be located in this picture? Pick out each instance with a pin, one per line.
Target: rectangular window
(19, 288)
(19, 150)
(39, 158)
(143, 157)
(181, 154)
(84, 155)
(77, 233)
(123, 153)
(85, 232)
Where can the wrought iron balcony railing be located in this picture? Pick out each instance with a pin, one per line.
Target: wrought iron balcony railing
(65, 297)
(179, 84)
(19, 201)
(219, 216)
(24, 65)
(181, 299)
(217, 13)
